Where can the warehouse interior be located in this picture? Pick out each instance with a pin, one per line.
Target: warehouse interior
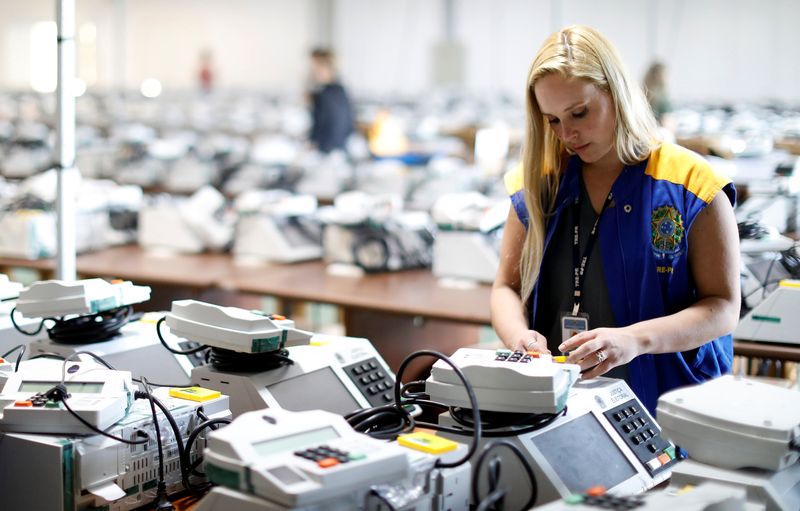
(317, 254)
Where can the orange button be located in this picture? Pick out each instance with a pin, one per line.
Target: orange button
(664, 458)
(2, 360)
(328, 462)
(23, 403)
(596, 491)
(117, 281)
(277, 317)
(533, 354)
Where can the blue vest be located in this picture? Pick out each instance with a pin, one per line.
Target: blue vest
(644, 243)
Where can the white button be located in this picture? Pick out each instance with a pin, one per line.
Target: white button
(654, 464)
(627, 208)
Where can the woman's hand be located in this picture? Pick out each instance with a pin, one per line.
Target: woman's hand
(599, 350)
(530, 340)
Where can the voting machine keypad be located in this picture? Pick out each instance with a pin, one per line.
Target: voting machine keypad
(523, 357)
(642, 436)
(597, 497)
(372, 380)
(327, 457)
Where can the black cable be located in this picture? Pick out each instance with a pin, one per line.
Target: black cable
(47, 354)
(75, 354)
(98, 327)
(161, 502)
(191, 351)
(491, 500)
(501, 424)
(20, 330)
(495, 444)
(376, 421)
(173, 425)
(155, 384)
(237, 361)
(188, 450)
(59, 393)
(21, 348)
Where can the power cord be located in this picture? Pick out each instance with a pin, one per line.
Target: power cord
(161, 502)
(498, 424)
(388, 421)
(21, 348)
(496, 495)
(190, 351)
(98, 327)
(59, 394)
(21, 330)
(191, 468)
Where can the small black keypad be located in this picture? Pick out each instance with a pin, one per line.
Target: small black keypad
(372, 380)
(639, 433)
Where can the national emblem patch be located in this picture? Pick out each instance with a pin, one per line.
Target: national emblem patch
(666, 231)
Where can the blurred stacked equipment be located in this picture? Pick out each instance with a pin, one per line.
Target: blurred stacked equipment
(106, 216)
(374, 234)
(467, 244)
(277, 226)
(187, 225)
(774, 319)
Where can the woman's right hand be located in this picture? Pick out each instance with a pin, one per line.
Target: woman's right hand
(530, 340)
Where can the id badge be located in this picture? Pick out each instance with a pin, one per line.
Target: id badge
(573, 325)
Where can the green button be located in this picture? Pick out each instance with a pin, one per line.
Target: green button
(52, 404)
(670, 452)
(573, 499)
(354, 456)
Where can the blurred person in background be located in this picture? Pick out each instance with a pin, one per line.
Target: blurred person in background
(205, 72)
(655, 89)
(331, 112)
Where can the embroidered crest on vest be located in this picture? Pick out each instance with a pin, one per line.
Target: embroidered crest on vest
(666, 231)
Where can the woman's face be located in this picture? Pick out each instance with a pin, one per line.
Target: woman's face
(580, 114)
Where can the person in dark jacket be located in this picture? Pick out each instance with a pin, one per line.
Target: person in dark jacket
(331, 111)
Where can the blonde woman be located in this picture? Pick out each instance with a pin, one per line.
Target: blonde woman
(650, 290)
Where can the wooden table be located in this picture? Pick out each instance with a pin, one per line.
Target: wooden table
(410, 292)
(399, 312)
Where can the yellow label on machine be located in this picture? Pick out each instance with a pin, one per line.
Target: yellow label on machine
(427, 442)
(194, 393)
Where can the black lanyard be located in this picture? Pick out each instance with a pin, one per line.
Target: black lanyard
(578, 262)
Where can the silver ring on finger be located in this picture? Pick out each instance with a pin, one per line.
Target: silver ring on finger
(601, 356)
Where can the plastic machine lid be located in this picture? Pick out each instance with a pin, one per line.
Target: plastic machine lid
(738, 404)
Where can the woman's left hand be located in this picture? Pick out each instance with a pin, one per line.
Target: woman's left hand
(599, 350)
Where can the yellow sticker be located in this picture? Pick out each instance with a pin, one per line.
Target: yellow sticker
(194, 393)
(427, 442)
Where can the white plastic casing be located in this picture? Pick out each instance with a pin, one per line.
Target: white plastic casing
(232, 328)
(537, 386)
(733, 422)
(256, 454)
(101, 409)
(55, 298)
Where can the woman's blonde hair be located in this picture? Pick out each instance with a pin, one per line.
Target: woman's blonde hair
(575, 52)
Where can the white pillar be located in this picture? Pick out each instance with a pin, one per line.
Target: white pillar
(65, 141)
